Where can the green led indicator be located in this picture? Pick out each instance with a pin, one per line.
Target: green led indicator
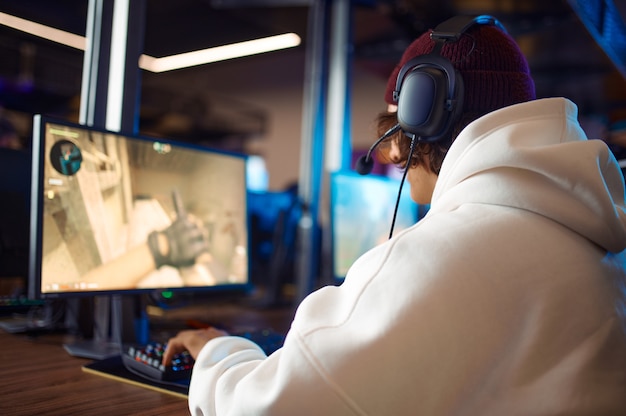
(167, 294)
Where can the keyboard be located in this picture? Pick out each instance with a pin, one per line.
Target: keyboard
(146, 360)
(19, 314)
(17, 304)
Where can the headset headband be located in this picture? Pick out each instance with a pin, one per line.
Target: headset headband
(449, 31)
(433, 96)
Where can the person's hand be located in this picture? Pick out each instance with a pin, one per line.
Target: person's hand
(190, 340)
(178, 245)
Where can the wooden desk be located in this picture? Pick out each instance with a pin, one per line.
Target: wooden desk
(38, 377)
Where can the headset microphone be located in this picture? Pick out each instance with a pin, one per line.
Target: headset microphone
(365, 164)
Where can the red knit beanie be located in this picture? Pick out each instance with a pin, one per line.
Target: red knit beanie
(495, 72)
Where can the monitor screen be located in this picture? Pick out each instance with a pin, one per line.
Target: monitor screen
(361, 215)
(117, 213)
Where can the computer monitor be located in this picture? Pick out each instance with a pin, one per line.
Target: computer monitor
(361, 215)
(114, 214)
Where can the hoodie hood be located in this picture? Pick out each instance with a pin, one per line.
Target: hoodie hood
(535, 156)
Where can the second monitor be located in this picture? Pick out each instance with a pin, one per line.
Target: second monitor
(361, 215)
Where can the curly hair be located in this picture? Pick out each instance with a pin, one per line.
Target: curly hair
(430, 155)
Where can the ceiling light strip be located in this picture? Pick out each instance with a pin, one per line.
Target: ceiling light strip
(219, 53)
(166, 63)
(42, 31)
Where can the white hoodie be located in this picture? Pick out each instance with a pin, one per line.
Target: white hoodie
(503, 300)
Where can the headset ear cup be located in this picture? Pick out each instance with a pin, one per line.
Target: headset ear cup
(422, 102)
(428, 89)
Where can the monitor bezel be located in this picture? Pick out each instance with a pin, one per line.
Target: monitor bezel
(36, 217)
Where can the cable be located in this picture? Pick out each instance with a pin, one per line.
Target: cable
(406, 169)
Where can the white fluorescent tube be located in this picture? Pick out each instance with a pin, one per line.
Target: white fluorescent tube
(46, 32)
(219, 53)
(166, 63)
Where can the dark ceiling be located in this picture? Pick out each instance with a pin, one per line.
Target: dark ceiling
(39, 76)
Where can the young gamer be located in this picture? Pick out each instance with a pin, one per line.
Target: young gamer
(505, 299)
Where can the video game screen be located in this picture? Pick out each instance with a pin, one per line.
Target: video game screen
(111, 212)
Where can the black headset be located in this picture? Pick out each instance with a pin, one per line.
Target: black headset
(429, 90)
(429, 94)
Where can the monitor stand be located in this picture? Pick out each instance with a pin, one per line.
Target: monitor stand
(107, 340)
